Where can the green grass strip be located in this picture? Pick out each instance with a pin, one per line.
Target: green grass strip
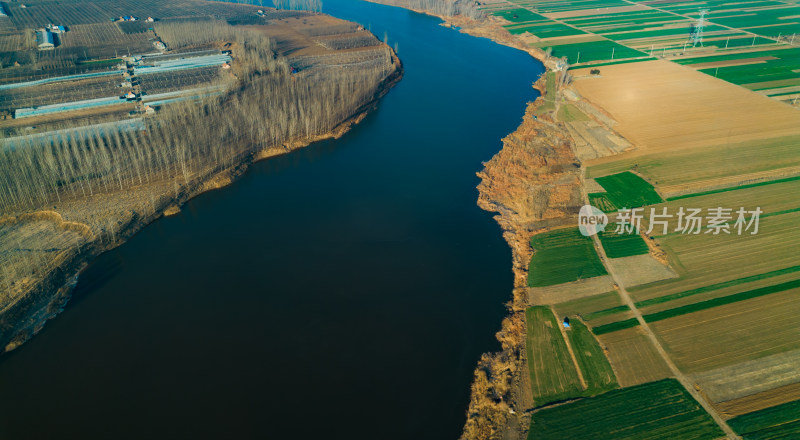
(717, 286)
(735, 188)
(614, 326)
(716, 302)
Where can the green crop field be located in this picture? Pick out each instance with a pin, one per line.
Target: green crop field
(594, 365)
(553, 374)
(619, 245)
(656, 410)
(778, 422)
(561, 256)
(615, 326)
(520, 15)
(548, 100)
(546, 30)
(601, 202)
(602, 50)
(627, 190)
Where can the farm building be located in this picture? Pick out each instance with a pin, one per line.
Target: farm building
(566, 322)
(45, 40)
(56, 29)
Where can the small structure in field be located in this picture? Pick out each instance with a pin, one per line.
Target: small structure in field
(45, 40)
(160, 45)
(56, 29)
(128, 18)
(150, 19)
(565, 323)
(130, 95)
(149, 110)
(226, 66)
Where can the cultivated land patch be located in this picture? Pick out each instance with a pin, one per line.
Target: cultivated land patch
(750, 377)
(694, 110)
(778, 422)
(658, 410)
(707, 262)
(640, 269)
(633, 357)
(623, 244)
(732, 333)
(596, 370)
(553, 373)
(569, 291)
(759, 401)
(561, 256)
(627, 190)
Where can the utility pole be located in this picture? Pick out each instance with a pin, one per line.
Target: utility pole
(612, 53)
(579, 58)
(727, 41)
(754, 41)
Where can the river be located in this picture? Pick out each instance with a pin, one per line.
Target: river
(343, 291)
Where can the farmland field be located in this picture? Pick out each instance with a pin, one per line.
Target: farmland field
(552, 371)
(658, 410)
(622, 244)
(732, 333)
(594, 365)
(627, 190)
(778, 422)
(633, 357)
(561, 256)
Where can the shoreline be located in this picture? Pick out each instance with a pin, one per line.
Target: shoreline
(27, 315)
(500, 403)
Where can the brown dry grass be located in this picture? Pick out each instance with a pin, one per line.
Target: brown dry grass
(732, 333)
(662, 106)
(633, 357)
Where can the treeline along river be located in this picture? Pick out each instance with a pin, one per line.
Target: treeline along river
(343, 291)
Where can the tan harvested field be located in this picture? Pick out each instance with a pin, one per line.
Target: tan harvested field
(689, 170)
(589, 304)
(570, 291)
(733, 333)
(755, 402)
(706, 259)
(640, 269)
(633, 357)
(705, 296)
(662, 106)
(750, 377)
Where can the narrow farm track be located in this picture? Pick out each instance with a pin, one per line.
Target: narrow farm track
(626, 298)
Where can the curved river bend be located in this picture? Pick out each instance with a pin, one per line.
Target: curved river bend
(344, 291)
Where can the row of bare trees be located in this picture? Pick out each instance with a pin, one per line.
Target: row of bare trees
(189, 140)
(449, 8)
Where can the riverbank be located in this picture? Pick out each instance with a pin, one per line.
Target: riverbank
(532, 183)
(32, 300)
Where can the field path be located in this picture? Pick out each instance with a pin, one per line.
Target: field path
(571, 351)
(626, 298)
